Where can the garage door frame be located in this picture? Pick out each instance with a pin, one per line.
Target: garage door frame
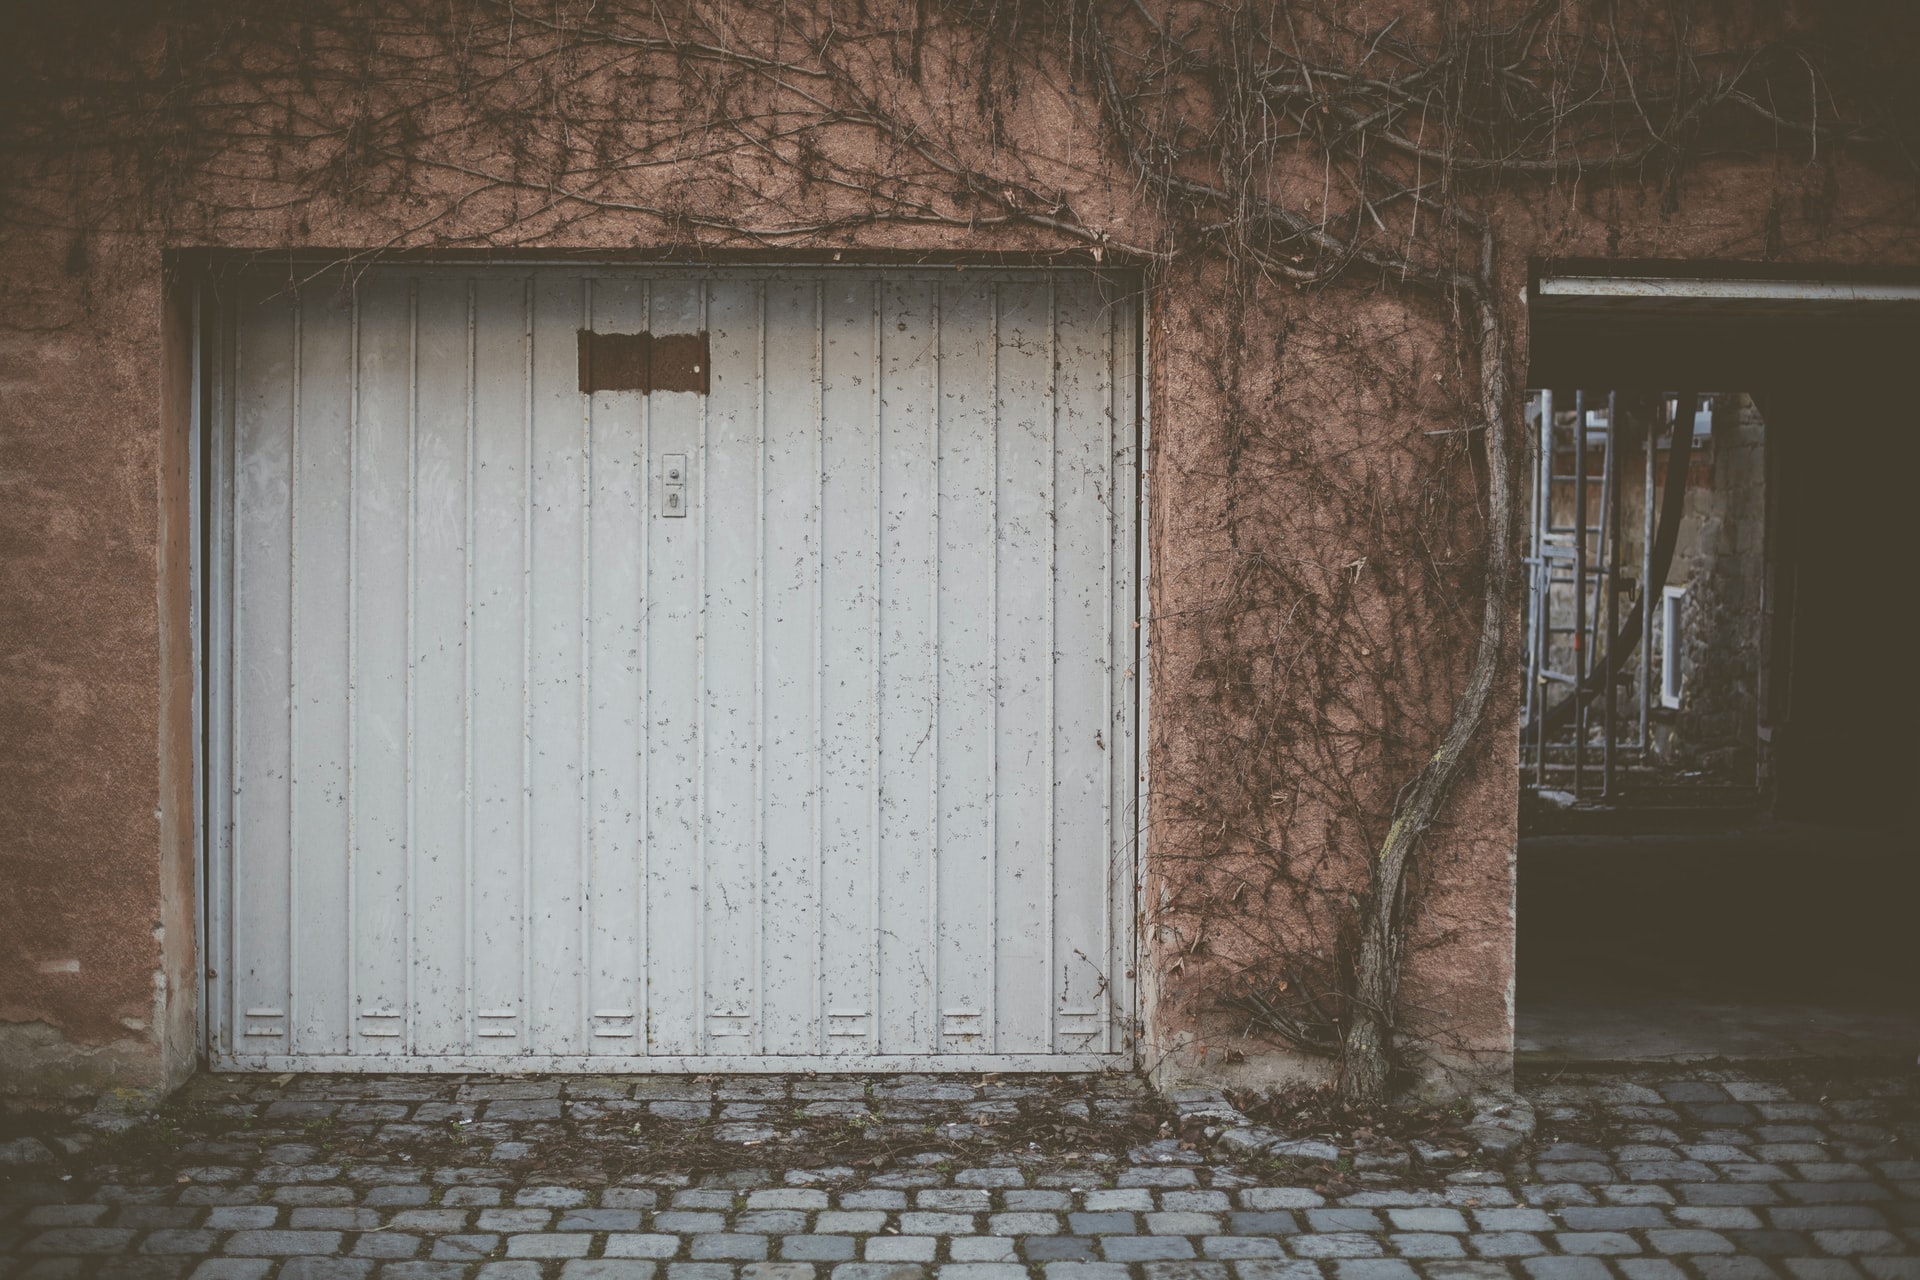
(214, 568)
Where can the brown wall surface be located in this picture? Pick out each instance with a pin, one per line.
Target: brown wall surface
(1316, 512)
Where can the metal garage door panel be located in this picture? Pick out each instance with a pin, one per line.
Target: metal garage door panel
(839, 767)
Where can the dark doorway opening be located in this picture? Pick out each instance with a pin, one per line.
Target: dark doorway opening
(1718, 850)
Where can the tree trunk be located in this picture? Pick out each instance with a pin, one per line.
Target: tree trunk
(1367, 1058)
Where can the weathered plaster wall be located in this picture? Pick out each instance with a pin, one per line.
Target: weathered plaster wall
(83, 991)
(1336, 395)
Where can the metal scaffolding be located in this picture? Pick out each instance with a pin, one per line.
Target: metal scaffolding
(1577, 640)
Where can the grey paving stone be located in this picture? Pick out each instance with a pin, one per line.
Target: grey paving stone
(1820, 1269)
(1851, 1242)
(1144, 1248)
(1086, 1271)
(817, 1248)
(1212, 1201)
(64, 1215)
(522, 1270)
(1427, 1219)
(629, 1198)
(1427, 1244)
(954, 1199)
(394, 1197)
(1374, 1269)
(1575, 1171)
(334, 1219)
(607, 1269)
(938, 1224)
(531, 1109)
(1470, 1270)
(1835, 1192)
(712, 1198)
(599, 1220)
(80, 1240)
(1907, 1268)
(549, 1245)
(1058, 1249)
(879, 1271)
(1157, 1178)
(1729, 1193)
(1666, 1171)
(1344, 1220)
(1263, 1198)
(982, 1271)
(1559, 1268)
(776, 1271)
(1720, 1112)
(1837, 1217)
(1678, 1241)
(642, 1246)
(302, 1197)
(729, 1246)
(1184, 1270)
(1551, 1193)
(774, 1222)
(1270, 1269)
(1414, 1199)
(278, 1243)
(701, 1270)
(154, 1217)
(1241, 1247)
(1183, 1224)
(470, 1197)
(311, 1268)
(873, 1198)
(386, 1245)
(463, 1248)
(1791, 1150)
(787, 1198)
(1505, 1244)
(175, 1241)
(232, 1269)
(140, 1268)
(1613, 1217)
(1714, 1267)
(1335, 1244)
(1771, 1244)
(1595, 1242)
(1717, 1217)
(901, 1248)
(221, 1195)
(982, 1249)
(688, 1222)
(242, 1217)
(1277, 1222)
(1831, 1171)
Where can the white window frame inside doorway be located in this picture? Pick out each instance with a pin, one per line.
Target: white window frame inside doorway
(211, 582)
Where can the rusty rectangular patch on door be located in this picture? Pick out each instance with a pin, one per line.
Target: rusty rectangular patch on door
(644, 362)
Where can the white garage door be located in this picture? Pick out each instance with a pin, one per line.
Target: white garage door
(782, 721)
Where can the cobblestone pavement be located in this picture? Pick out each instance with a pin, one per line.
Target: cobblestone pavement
(1682, 1175)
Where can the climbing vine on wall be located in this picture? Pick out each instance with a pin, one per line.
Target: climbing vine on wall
(1351, 189)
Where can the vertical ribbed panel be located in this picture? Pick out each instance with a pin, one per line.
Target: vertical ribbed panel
(840, 764)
